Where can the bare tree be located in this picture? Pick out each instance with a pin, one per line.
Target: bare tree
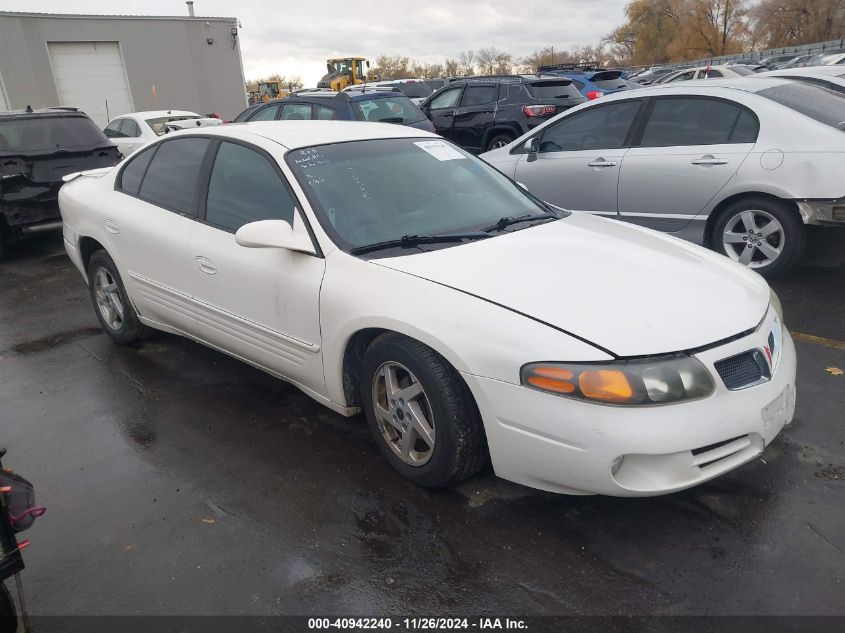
(451, 67)
(467, 61)
(486, 58)
(504, 64)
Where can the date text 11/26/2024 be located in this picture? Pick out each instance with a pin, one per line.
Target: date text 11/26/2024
(417, 624)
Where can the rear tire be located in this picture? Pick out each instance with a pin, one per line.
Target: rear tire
(111, 303)
(428, 427)
(765, 234)
(498, 141)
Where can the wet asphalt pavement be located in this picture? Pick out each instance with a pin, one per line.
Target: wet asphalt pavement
(180, 481)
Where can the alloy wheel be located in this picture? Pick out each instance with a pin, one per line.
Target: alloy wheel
(498, 144)
(403, 413)
(754, 238)
(108, 298)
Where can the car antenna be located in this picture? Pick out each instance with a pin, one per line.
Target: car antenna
(29, 108)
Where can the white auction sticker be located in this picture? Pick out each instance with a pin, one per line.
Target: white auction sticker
(440, 150)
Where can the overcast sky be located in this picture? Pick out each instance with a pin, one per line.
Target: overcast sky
(295, 38)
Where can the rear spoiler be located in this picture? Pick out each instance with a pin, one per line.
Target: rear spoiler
(93, 173)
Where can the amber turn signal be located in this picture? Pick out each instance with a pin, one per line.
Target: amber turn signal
(609, 385)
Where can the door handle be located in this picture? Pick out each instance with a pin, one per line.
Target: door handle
(205, 265)
(111, 226)
(710, 160)
(600, 162)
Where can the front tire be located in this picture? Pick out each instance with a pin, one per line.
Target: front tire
(421, 413)
(111, 303)
(765, 234)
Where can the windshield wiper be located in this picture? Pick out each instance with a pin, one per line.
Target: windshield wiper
(409, 241)
(509, 220)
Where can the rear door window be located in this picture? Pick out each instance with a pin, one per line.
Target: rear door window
(696, 121)
(130, 129)
(245, 187)
(479, 95)
(601, 127)
(296, 112)
(173, 175)
(322, 113)
(265, 114)
(392, 109)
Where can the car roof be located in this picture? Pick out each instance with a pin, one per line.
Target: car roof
(751, 83)
(828, 71)
(68, 111)
(298, 134)
(158, 114)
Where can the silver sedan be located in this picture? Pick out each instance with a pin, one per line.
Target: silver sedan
(739, 165)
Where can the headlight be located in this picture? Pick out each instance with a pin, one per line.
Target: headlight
(776, 304)
(637, 382)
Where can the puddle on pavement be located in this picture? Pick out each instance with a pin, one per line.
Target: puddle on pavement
(52, 341)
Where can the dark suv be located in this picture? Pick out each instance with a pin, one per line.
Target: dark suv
(37, 148)
(384, 106)
(484, 113)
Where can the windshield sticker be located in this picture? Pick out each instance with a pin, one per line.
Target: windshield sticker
(440, 150)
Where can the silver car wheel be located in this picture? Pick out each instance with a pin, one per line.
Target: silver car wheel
(403, 413)
(754, 238)
(108, 299)
(498, 145)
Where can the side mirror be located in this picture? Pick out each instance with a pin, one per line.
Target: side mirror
(273, 234)
(532, 145)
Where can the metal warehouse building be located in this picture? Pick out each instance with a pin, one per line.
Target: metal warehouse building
(110, 65)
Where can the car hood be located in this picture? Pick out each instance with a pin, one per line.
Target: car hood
(626, 289)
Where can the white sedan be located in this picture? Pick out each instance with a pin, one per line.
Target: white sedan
(131, 131)
(381, 268)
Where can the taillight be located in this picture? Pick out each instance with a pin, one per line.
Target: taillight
(594, 94)
(538, 110)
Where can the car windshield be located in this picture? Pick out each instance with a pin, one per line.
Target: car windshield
(818, 103)
(392, 109)
(44, 133)
(373, 191)
(159, 125)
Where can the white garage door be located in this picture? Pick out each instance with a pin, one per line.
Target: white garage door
(91, 76)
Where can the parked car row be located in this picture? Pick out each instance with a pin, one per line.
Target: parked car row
(738, 165)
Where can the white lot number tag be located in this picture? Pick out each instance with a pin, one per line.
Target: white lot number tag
(440, 150)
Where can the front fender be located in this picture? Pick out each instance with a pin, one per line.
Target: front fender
(475, 336)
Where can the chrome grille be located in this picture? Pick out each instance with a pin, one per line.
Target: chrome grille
(743, 370)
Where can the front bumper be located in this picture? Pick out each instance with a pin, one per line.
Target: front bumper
(562, 445)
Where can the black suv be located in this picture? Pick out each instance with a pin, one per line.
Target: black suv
(37, 148)
(484, 113)
(378, 105)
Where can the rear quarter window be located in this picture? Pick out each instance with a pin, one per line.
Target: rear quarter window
(820, 104)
